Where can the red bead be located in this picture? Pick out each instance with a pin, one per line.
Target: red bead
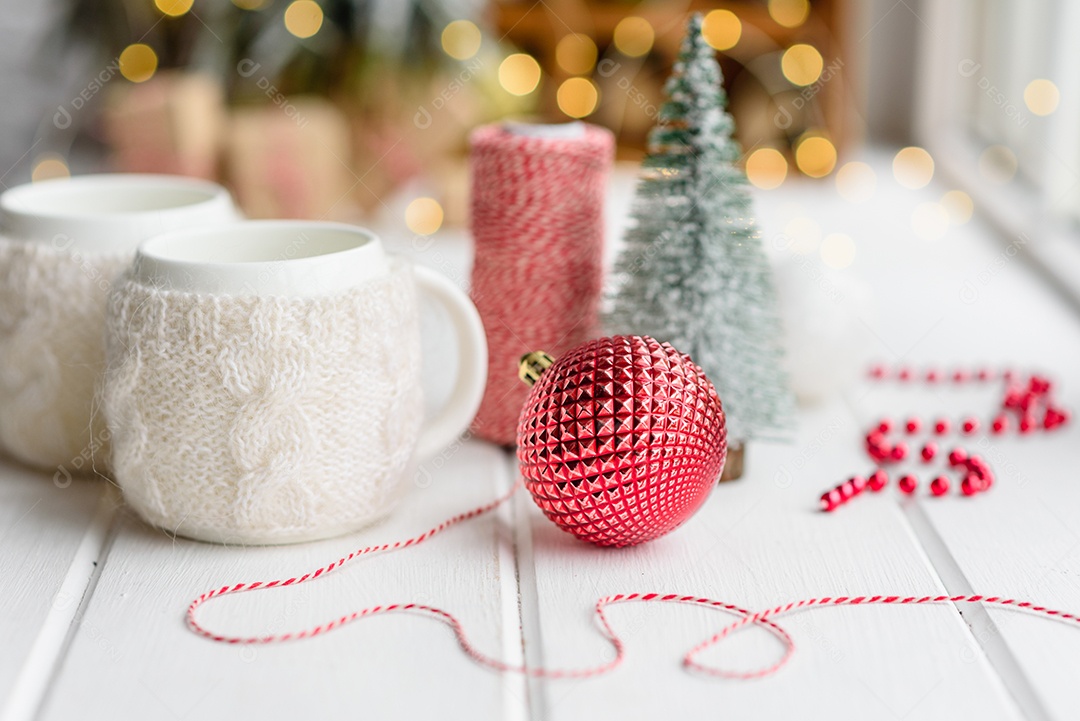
(939, 486)
(1014, 398)
(904, 374)
(908, 484)
(969, 486)
(913, 425)
(1027, 423)
(976, 467)
(1055, 417)
(847, 490)
(941, 427)
(885, 426)
(1039, 385)
(929, 451)
(877, 480)
(878, 371)
(932, 376)
(830, 500)
(899, 451)
(957, 457)
(983, 374)
(970, 425)
(858, 483)
(960, 376)
(1000, 424)
(1008, 374)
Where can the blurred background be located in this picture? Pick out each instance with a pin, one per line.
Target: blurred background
(351, 109)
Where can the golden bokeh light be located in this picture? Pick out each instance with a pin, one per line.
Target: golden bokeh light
(519, 74)
(802, 64)
(816, 156)
(930, 221)
(913, 167)
(766, 168)
(789, 13)
(804, 233)
(634, 36)
(173, 8)
(721, 29)
(461, 39)
(138, 62)
(958, 206)
(1041, 96)
(424, 216)
(48, 167)
(577, 97)
(997, 164)
(838, 250)
(249, 4)
(303, 18)
(576, 54)
(856, 182)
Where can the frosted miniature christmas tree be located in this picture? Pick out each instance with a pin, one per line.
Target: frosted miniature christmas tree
(693, 271)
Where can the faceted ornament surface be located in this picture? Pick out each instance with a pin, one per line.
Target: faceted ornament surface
(621, 440)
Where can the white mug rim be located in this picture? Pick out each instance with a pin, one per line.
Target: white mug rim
(37, 211)
(327, 271)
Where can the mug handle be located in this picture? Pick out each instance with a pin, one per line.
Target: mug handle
(460, 409)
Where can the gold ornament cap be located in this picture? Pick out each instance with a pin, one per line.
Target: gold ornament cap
(532, 366)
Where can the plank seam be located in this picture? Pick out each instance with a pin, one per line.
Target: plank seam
(985, 634)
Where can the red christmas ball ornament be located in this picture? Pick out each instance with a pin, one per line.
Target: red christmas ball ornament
(621, 439)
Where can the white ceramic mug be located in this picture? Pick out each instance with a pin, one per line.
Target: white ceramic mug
(263, 380)
(63, 242)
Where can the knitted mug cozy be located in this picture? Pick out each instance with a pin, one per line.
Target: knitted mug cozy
(52, 352)
(259, 419)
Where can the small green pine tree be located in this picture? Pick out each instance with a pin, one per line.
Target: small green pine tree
(693, 272)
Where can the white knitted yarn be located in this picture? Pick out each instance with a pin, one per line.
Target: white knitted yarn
(52, 352)
(263, 419)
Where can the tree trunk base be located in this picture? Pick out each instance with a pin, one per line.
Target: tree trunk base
(733, 468)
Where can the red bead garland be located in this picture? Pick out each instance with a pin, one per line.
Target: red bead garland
(1028, 399)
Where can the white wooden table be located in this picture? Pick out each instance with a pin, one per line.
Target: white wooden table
(92, 600)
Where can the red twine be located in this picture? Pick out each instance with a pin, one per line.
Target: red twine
(537, 221)
(760, 618)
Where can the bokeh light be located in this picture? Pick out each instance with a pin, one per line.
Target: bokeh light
(173, 8)
(49, 166)
(461, 39)
(805, 235)
(789, 13)
(577, 97)
(1041, 96)
(997, 164)
(519, 74)
(802, 64)
(138, 62)
(721, 29)
(958, 206)
(766, 168)
(913, 167)
(634, 36)
(856, 182)
(816, 156)
(838, 250)
(303, 18)
(576, 54)
(424, 216)
(930, 221)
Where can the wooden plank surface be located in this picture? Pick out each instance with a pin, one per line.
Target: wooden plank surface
(133, 657)
(51, 536)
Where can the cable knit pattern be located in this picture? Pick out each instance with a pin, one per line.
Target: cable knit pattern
(263, 419)
(52, 352)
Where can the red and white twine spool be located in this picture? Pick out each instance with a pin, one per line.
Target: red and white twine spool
(537, 220)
